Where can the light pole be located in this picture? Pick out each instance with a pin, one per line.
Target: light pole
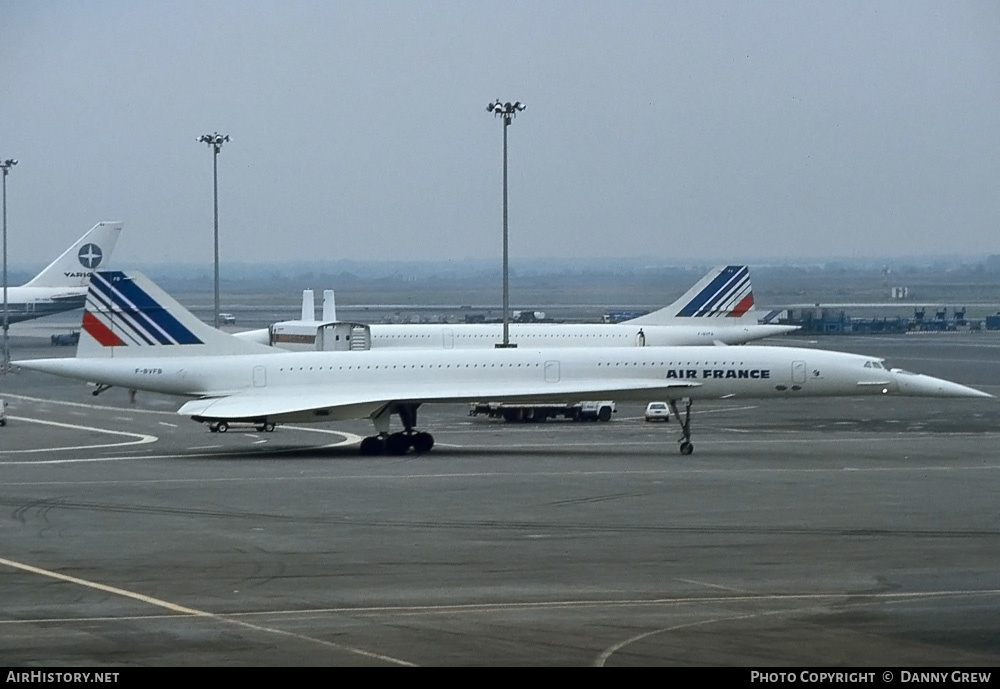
(215, 141)
(507, 111)
(5, 166)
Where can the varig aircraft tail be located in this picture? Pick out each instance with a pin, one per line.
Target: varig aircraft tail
(74, 267)
(724, 292)
(128, 316)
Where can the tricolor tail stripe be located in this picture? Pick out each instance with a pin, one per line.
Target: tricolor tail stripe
(120, 312)
(729, 294)
(99, 331)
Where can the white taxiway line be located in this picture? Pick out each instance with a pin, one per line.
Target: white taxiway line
(64, 403)
(182, 610)
(349, 438)
(141, 439)
(867, 599)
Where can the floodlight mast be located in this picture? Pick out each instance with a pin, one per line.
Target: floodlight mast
(215, 141)
(507, 111)
(6, 165)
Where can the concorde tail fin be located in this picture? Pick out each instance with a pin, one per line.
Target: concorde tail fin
(127, 315)
(724, 292)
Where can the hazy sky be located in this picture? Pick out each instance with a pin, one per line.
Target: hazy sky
(743, 131)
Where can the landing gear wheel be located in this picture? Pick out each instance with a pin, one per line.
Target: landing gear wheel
(222, 426)
(372, 445)
(687, 448)
(397, 444)
(213, 427)
(422, 442)
(269, 427)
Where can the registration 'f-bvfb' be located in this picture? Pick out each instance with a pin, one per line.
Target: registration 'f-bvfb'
(138, 337)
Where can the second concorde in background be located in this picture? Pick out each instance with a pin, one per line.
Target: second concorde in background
(717, 310)
(138, 337)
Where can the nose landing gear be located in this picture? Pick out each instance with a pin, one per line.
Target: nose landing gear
(686, 446)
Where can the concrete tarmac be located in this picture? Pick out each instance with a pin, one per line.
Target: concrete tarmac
(837, 532)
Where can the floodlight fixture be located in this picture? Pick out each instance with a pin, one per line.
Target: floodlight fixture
(215, 141)
(507, 111)
(6, 165)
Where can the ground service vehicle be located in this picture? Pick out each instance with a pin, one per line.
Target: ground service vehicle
(657, 411)
(66, 339)
(591, 410)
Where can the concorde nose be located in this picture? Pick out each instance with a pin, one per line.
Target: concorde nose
(919, 385)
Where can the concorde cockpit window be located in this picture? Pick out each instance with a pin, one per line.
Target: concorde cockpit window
(887, 367)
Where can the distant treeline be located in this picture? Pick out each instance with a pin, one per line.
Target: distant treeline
(589, 278)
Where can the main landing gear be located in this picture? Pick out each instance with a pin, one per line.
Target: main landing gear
(397, 443)
(686, 446)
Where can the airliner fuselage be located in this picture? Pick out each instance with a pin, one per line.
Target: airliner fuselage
(464, 336)
(462, 375)
(486, 336)
(26, 303)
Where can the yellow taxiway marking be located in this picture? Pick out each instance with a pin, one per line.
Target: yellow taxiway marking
(183, 610)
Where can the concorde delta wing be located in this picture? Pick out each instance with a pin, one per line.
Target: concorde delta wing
(292, 404)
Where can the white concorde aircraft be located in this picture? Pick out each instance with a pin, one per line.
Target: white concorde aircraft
(62, 285)
(138, 337)
(717, 310)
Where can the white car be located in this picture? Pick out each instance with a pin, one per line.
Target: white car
(227, 319)
(657, 411)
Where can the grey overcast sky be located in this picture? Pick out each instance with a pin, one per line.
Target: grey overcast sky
(742, 131)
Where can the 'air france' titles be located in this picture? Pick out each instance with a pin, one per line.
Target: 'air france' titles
(707, 373)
